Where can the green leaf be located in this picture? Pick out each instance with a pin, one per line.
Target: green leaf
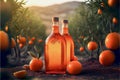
(98, 27)
(38, 51)
(86, 38)
(32, 54)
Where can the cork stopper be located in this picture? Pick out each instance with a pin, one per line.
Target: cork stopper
(65, 21)
(55, 19)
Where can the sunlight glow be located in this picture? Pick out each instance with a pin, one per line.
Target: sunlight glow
(45, 2)
(5, 0)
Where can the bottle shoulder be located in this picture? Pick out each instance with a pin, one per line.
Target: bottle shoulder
(67, 36)
(55, 37)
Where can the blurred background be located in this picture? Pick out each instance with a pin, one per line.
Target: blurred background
(88, 20)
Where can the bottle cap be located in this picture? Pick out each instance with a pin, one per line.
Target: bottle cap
(55, 19)
(65, 21)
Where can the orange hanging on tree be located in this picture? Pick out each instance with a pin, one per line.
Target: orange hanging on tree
(74, 67)
(30, 42)
(114, 20)
(21, 45)
(33, 38)
(81, 49)
(99, 11)
(112, 3)
(4, 40)
(40, 40)
(112, 41)
(6, 28)
(22, 40)
(92, 45)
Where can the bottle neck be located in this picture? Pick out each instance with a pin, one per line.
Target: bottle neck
(65, 29)
(55, 27)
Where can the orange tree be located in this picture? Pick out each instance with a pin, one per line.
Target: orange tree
(92, 25)
(20, 21)
(25, 23)
(7, 9)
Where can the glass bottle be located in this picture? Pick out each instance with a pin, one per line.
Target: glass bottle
(55, 57)
(69, 41)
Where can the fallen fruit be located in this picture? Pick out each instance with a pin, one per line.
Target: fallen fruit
(36, 64)
(74, 67)
(107, 58)
(20, 74)
(27, 67)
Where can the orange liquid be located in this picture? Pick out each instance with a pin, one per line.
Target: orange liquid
(69, 44)
(55, 53)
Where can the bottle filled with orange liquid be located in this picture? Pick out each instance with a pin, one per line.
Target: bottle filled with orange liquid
(69, 41)
(55, 51)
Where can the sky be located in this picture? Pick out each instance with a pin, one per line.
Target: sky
(45, 2)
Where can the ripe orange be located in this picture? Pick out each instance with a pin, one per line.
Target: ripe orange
(13, 43)
(112, 41)
(92, 45)
(112, 3)
(22, 40)
(106, 58)
(81, 49)
(6, 28)
(82, 37)
(33, 39)
(18, 41)
(21, 45)
(36, 64)
(78, 41)
(4, 40)
(27, 67)
(40, 40)
(20, 74)
(74, 67)
(99, 11)
(114, 20)
(75, 58)
(30, 42)
(28, 37)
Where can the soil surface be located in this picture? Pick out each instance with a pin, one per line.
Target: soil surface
(92, 70)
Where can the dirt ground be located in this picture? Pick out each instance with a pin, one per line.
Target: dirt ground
(92, 70)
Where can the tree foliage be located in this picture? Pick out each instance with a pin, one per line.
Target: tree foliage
(7, 9)
(93, 26)
(19, 21)
(26, 24)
